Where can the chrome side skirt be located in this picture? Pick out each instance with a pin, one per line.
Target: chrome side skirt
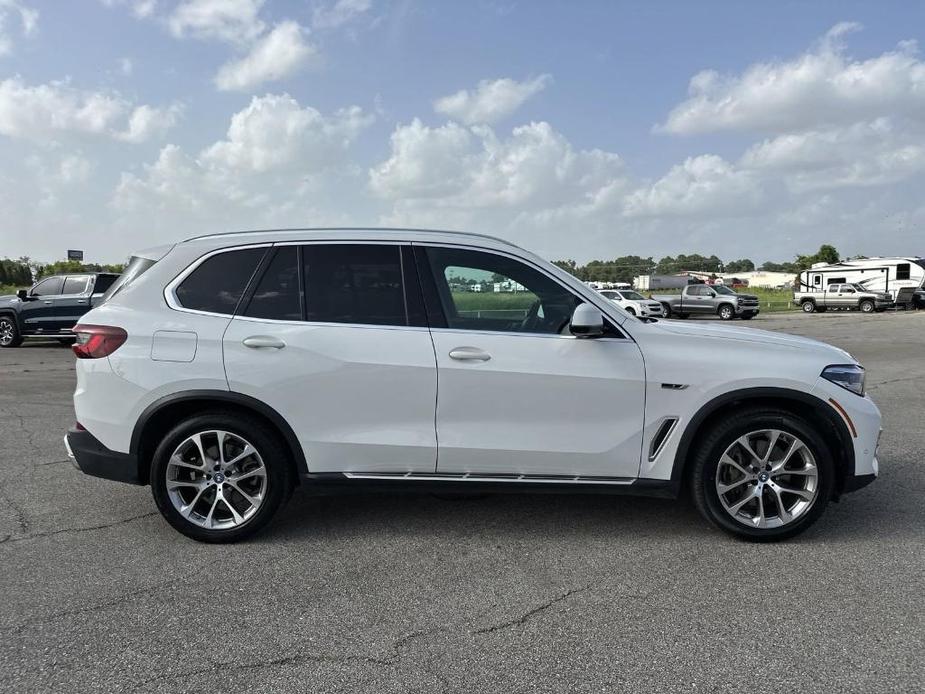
(483, 477)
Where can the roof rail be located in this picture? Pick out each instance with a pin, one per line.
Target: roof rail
(384, 229)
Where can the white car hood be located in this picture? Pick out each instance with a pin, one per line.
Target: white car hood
(727, 332)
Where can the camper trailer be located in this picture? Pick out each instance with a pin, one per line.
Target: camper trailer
(873, 274)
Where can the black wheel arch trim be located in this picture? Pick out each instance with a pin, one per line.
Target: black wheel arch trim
(219, 397)
(682, 454)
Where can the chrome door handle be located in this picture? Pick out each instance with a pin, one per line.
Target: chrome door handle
(81, 301)
(469, 354)
(48, 301)
(262, 341)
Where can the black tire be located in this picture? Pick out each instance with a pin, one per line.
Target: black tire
(630, 311)
(867, 306)
(276, 459)
(726, 312)
(821, 309)
(710, 448)
(808, 306)
(9, 332)
(666, 310)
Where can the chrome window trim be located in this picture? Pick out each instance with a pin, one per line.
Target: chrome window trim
(170, 295)
(329, 324)
(600, 302)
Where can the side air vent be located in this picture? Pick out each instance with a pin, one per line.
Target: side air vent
(661, 436)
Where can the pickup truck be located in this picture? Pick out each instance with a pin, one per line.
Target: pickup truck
(846, 296)
(703, 299)
(51, 307)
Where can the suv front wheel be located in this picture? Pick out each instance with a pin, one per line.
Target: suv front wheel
(9, 332)
(763, 475)
(220, 477)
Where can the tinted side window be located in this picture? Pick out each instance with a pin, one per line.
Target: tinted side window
(48, 287)
(903, 271)
(484, 291)
(695, 290)
(353, 283)
(75, 285)
(103, 282)
(277, 294)
(217, 284)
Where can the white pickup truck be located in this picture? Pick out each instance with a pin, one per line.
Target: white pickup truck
(845, 296)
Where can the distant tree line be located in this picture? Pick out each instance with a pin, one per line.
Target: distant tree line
(625, 268)
(24, 271)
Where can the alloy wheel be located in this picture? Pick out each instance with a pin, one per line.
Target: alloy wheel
(7, 333)
(767, 479)
(216, 480)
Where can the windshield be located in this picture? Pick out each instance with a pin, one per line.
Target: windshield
(633, 296)
(135, 268)
(720, 289)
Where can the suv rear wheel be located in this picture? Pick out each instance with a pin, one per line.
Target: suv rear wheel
(9, 332)
(763, 475)
(220, 477)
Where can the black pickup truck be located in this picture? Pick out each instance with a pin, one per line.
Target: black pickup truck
(52, 307)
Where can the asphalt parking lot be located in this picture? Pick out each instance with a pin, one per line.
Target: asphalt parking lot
(502, 593)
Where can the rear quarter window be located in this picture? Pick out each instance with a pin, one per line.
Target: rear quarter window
(217, 284)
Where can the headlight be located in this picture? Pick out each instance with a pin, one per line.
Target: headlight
(848, 376)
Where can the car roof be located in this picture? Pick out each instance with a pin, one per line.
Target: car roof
(343, 233)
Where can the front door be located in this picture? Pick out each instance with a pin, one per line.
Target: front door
(330, 338)
(518, 393)
(38, 310)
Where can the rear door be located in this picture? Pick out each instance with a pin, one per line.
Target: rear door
(697, 299)
(73, 302)
(518, 393)
(334, 338)
(37, 312)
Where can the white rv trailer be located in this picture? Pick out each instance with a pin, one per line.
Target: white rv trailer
(875, 274)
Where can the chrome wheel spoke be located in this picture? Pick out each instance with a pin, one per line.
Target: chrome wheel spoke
(748, 484)
(188, 484)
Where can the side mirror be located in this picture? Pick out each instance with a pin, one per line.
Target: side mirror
(22, 294)
(587, 321)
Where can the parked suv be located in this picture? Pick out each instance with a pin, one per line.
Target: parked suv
(51, 307)
(633, 302)
(227, 369)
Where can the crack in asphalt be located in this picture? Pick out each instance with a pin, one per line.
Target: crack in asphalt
(296, 658)
(527, 616)
(396, 648)
(99, 607)
(62, 531)
(22, 520)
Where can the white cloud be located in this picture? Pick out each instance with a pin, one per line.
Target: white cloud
(339, 13)
(142, 9)
(47, 110)
(469, 177)
(126, 67)
(274, 131)
(277, 55)
(233, 21)
(147, 122)
(14, 11)
(706, 185)
(491, 100)
(821, 87)
(74, 168)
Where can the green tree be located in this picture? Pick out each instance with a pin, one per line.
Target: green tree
(743, 265)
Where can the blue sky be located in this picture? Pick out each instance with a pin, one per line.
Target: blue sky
(586, 129)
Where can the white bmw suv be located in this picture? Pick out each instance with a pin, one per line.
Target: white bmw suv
(227, 369)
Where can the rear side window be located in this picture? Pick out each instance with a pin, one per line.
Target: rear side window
(354, 283)
(75, 285)
(903, 271)
(103, 282)
(277, 293)
(217, 284)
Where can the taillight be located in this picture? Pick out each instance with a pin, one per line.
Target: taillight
(96, 341)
